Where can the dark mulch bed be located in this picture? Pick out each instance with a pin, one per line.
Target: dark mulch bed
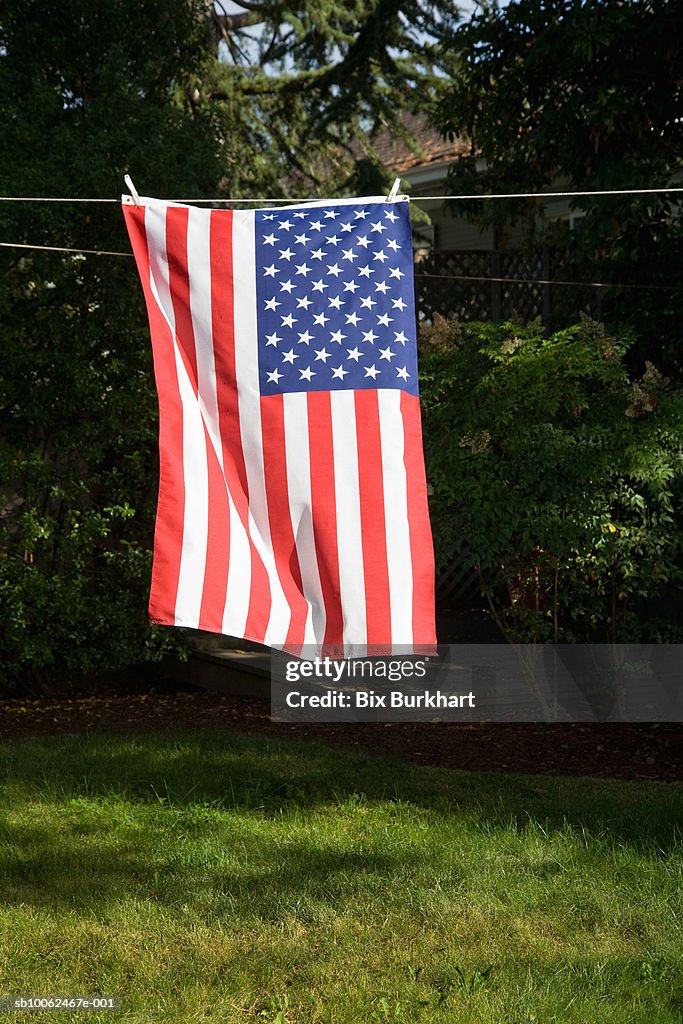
(624, 751)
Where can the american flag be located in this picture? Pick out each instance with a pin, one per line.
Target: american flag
(292, 503)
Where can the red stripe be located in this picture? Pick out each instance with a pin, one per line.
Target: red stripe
(421, 550)
(168, 533)
(217, 545)
(179, 284)
(373, 523)
(324, 514)
(279, 518)
(222, 311)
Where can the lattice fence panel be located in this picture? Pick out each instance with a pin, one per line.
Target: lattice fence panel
(519, 298)
(440, 288)
(457, 583)
(471, 285)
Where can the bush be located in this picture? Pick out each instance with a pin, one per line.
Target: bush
(562, 474)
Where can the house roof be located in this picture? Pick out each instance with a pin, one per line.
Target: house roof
(396, 154)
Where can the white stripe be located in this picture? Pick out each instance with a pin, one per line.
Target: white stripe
(199, 264)
(195, 470)
(247, 377)
(349, 532)
(395, 486)
(236, 601)
(239, 574)
(299, 488)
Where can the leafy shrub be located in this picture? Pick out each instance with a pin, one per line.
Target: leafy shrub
(562, 473)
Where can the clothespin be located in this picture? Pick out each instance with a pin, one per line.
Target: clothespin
(132, 188)
(394, 191)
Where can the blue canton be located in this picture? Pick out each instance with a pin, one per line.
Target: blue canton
(335, 299)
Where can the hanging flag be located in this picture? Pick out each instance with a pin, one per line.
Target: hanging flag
(292, 503)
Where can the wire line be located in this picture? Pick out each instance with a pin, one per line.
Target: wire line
(442, 277)
(264, 199)
(61, 248)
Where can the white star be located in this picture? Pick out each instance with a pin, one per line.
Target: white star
(336, 302)
(303, 303)
(352, 318)
(390, 215)
(286, 254)
(362, 214)
(323, 355)
(272, 339)
(269, 216)
(305, 338)
(301, 239)
(334, 270)
(339, 372)
(393, 244)
(382, 286)
(400, 336)
(370, 336)
(395, 272)
(403, 373)
(349, 254)
(379, 227)
(303, 269)
(337, 336)
(372, 371)
(288, 321)
(270, 271)
(274, 377)
(300, 215)
(318, 286)
(287, 286)
(398, 304)
(331, 214)
(269, 240)
(351, 286)
(385, 319)
(316, 225)
(317, 254)
(332, 240)
(368, 303)
(386, 353)
(381, 255)
(307, 374)
(272, 304)
(285, 225)
(364, 241)
(353, 353)
(321, 319)
(289, 357)
(365, 271)
(346, 227)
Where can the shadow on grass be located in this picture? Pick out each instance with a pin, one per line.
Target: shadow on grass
(257, 878)
(267, 777)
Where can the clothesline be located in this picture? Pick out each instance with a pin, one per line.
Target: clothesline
(262, 199)
(444, 277)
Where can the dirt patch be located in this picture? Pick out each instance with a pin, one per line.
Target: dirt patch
(614, 750)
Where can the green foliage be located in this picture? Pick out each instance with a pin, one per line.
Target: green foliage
(582, 96)
(90, 90)
(79, 107)
(304, 86)
(563, 474)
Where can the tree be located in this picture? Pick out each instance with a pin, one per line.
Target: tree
(587, 94)
(305, 86)
(88, 91)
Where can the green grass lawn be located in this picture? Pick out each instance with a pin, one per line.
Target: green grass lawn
(210, 876)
